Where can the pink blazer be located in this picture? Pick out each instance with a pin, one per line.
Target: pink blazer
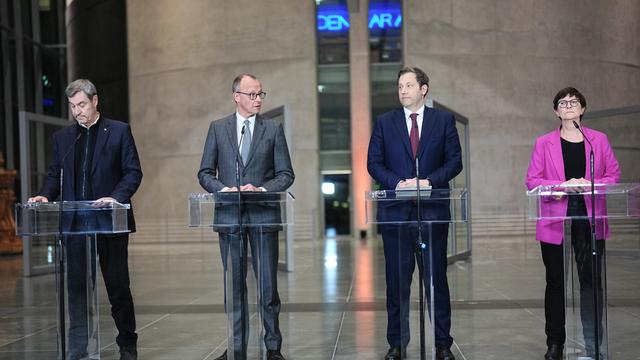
(547, 168)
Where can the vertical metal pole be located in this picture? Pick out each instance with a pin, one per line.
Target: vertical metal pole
(595, 270)
(25, 185)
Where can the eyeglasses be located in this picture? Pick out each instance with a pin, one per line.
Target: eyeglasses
(254, 96)
(564, 103)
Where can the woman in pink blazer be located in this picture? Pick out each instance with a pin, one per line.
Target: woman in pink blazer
(561, 157)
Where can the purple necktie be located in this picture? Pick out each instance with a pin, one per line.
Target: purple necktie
(414, 138)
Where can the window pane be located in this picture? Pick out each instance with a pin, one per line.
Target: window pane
(385, 31)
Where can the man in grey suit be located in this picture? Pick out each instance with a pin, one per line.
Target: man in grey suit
(258, 148)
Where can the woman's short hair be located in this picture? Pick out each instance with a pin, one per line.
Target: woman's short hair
(569, 91)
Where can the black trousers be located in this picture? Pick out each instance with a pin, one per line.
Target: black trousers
(264, 256)
(81, 281)
(554, 297)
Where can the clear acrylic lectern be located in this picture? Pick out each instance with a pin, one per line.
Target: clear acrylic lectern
(398, 216)
(243, 220)
(568, 208)
(76, 265)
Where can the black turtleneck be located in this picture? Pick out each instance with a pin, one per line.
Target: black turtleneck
(85, 148)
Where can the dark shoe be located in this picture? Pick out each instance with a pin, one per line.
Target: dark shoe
(274, 355)
(444, 353)
(554, 352)
(222, 357)
(395, 353)
(128, 352)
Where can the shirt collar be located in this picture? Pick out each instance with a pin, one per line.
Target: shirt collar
(90, 125)
(241, 119)
(408, 112)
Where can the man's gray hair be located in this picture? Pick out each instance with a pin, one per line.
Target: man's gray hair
(235, 86)
(83, 85)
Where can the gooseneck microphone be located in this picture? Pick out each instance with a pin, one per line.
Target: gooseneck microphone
(243, 319)
(64, 157)
(60, 249)
(421, 269)
(595, 269)
(239, 159)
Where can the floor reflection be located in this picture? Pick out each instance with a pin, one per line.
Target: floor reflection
(333, 303)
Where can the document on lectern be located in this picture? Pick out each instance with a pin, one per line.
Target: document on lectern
(412, 192)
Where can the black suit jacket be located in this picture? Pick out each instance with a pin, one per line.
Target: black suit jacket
(115, 168)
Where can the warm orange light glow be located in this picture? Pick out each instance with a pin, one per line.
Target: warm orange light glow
(360, 114)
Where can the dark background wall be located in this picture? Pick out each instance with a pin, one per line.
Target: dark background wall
(97, 50)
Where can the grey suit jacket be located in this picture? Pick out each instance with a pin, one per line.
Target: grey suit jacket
(268, 166)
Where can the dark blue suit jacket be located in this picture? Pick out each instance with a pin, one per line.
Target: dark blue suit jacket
(390, 158)
(115, 168)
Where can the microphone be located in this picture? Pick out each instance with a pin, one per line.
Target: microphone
(583, 135)
(239, 160)
(595, 270)
(60, 246)
(239, 156)
(69, 149)
(64, 157)
(591, 165)
(244, 128)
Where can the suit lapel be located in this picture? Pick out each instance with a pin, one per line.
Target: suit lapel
(401, 126)
(427, 131)
(232, 132)
(256, 137)
(556, 154)
(70, 171)
(104, 131)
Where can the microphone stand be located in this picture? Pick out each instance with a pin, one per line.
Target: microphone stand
(243, 319)
(61, 269)
(61, 255)
(419, 250)
(595, 269)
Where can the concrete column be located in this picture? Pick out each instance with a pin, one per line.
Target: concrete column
(183, 57)
(360, 83)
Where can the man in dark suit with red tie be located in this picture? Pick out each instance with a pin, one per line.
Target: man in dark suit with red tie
(399, 137)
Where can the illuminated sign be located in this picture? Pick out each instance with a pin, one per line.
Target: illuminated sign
(333, 21)
(337, 18)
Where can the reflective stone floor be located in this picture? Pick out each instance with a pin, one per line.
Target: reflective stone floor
(333, 303)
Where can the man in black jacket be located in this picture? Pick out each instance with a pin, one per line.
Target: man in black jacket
(101, 164)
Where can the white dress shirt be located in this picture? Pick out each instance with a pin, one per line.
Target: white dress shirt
(407, 118)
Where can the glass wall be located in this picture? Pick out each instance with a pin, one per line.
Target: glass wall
(459, 245)
(34, 69)
(334, 114)
(385, 54)
(32, 81)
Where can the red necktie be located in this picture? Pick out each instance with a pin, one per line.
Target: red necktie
(414, 138)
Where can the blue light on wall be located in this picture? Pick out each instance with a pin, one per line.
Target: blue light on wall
(336, 19)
